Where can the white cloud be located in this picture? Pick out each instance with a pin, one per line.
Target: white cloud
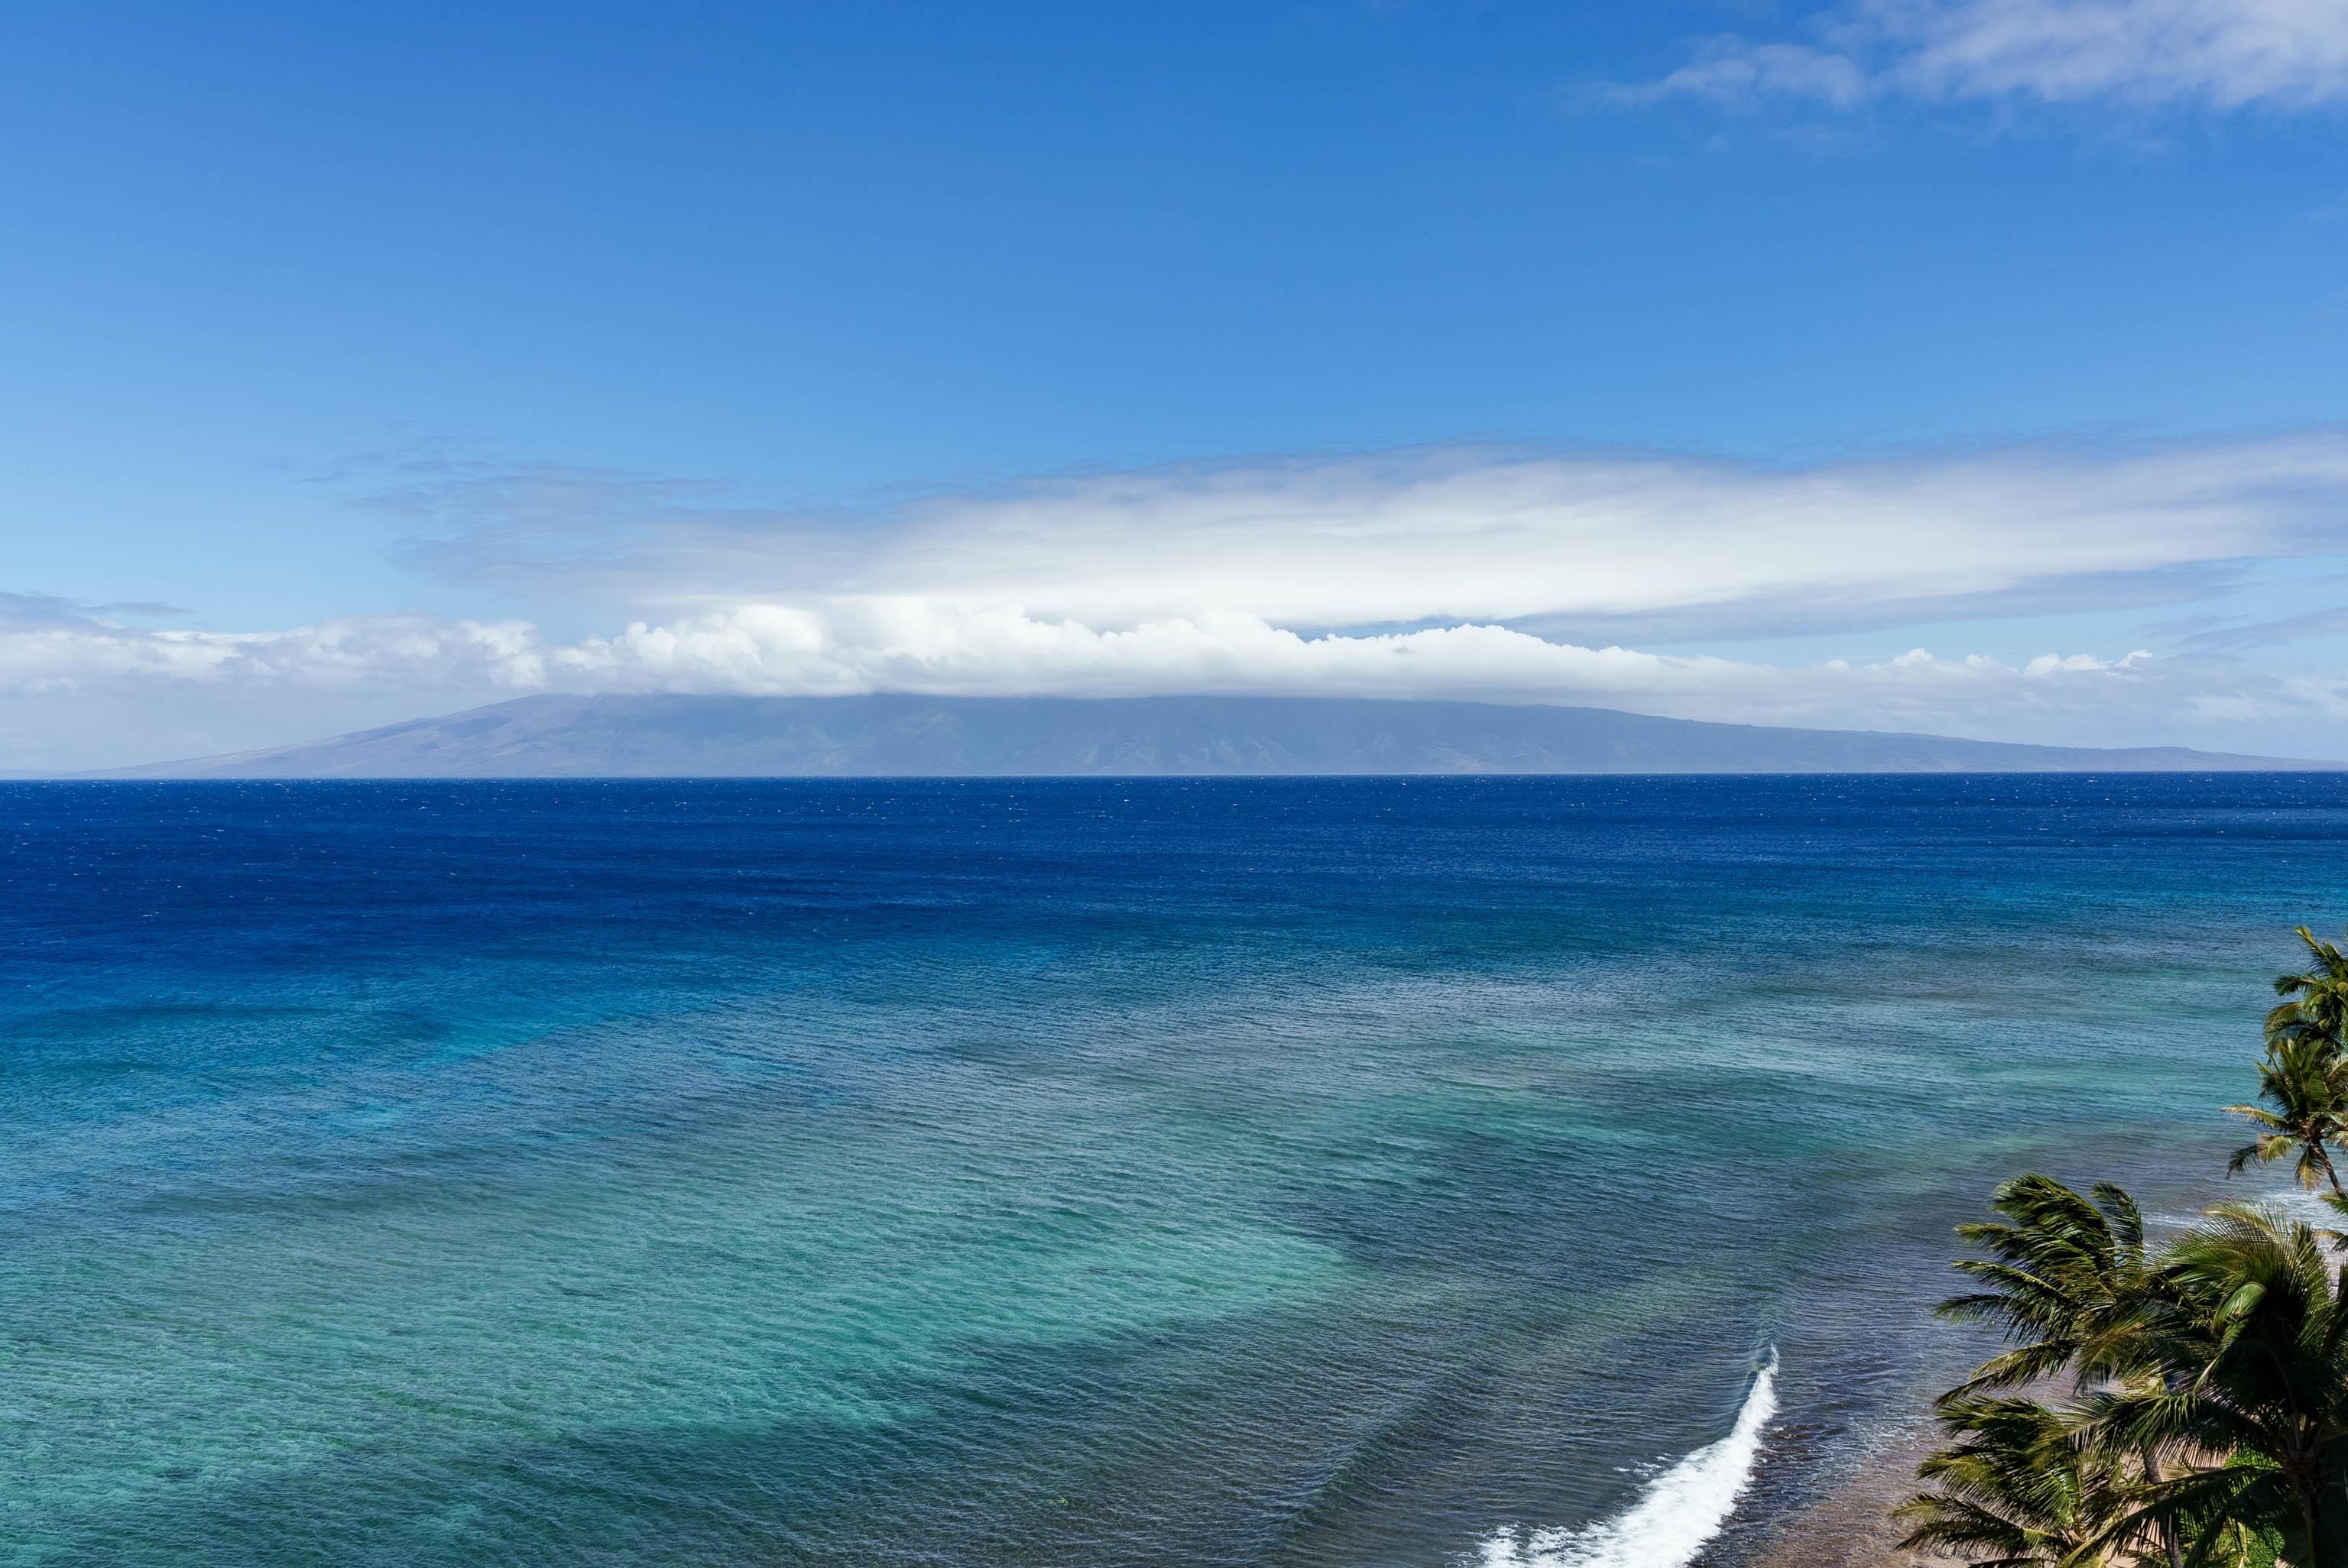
(1729, 69)
(1472, 538)
(1449, 573)
(922, 646)
(2057, 664)
(2218, 54)
(1453, 534)
(68, 653)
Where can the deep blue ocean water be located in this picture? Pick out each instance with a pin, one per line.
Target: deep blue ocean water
(1285, 1171)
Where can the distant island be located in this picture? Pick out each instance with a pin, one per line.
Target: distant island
(913, 736)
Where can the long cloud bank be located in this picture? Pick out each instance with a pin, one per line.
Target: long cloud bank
(1436, 535)
(1450, 572)
(911, 645)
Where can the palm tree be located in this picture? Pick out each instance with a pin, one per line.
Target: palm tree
(2014, 1489)
(2305, 1078)
(2207, 1421)
(2065, 1276)
(2235, 1367)
(2066, 1281)
(2316, 999)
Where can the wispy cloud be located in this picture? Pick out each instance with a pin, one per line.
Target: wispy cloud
(2268, 633)
(2221, 54)
(23, 609)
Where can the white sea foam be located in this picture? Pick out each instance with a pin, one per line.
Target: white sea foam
(1681, 1509)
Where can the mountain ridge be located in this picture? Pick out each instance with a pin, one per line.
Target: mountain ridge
(892, 735)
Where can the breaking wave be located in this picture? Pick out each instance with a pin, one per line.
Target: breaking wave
(1681, 1509)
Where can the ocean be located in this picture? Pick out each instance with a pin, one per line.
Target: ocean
(1339, 1174)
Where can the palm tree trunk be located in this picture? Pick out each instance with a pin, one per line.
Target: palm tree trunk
(2168, 1536)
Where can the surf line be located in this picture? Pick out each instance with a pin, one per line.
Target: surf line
(1680, 1510)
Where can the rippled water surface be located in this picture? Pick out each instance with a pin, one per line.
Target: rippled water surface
(1363, 1172)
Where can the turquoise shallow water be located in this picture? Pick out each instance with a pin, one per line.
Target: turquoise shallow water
(1101, 1173)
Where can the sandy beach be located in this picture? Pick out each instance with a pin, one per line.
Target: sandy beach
(1852, 1527)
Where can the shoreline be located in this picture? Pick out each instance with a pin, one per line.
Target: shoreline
(1850, 1526)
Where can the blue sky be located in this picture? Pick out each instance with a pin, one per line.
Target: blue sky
(371, 361)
